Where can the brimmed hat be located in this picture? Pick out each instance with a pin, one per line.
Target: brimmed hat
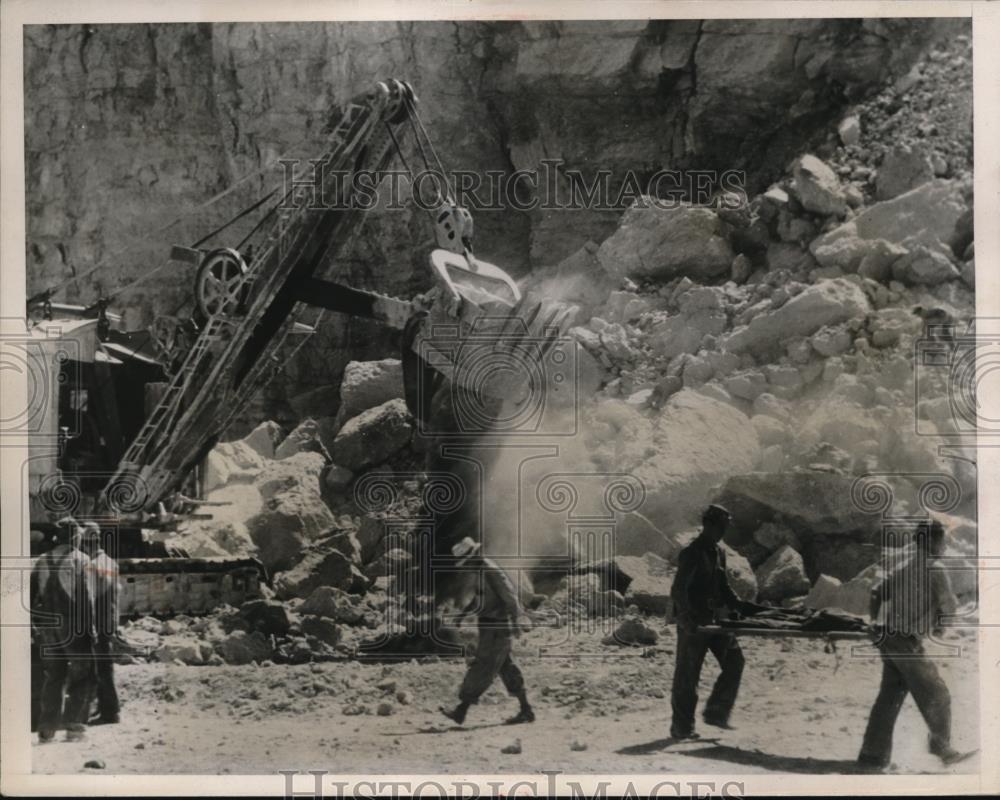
(465, 548)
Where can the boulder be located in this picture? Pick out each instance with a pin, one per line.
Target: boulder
(662, 243)
(326, 630)
(684, 332)
(849, 252)
(852, 596)
(924, 266)
(741, 575)
(367, 384)
(299, 471)
(240, 647)
(338, 605)
(904, 167)
(694, 444)
(808, 502)
(304, 439)
(289, 521)
(182, 648)
(319, 568)
(925, 216)
(818, 187)
(230, 462)
(373, 436)
(849, 130)
(631, 631)
(783, 575)
(267, 616)
(841, 424)
(825, 303)
(650, 578)
(774, 536)
(264, 438)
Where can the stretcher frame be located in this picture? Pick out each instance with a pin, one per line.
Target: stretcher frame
(786, 633)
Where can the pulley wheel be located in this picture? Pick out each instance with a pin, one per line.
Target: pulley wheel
(219, 286)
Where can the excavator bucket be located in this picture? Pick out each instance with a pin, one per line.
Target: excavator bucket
(477, 330)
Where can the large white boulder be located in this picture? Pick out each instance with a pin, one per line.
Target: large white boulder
(661, 243)
(826, 303)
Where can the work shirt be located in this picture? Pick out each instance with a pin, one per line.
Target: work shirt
(914, 595)
(103, 572)
(701, 585)
(62, 596)
(498, 597)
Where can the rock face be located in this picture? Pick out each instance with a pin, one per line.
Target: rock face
(655, 242)
(541, 83)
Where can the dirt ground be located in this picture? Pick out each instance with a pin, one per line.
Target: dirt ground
(800, 710)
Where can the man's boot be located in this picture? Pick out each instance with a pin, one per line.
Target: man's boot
(526, 714)
(75, 732)
(457, 714)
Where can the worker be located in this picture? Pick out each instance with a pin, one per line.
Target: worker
(499, 619)
(701, 595)
(906, 607)
(104, 581)
(63, 623)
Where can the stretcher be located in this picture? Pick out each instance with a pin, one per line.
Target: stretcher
(785, 633)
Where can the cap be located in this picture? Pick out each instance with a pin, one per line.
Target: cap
(716, 512)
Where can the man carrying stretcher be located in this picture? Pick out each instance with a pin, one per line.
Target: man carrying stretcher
(702, 595)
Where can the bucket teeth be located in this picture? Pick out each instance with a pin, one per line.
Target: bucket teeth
(530, 319)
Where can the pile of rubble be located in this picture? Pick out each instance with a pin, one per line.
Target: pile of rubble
(761, 351)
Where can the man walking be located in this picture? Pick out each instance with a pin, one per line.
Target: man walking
(906, 607)
(104, 581)
(499, 619)
(701, 595)
(63, 622)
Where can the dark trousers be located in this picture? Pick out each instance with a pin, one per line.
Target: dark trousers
(37, 678)
(906, 670)
(67, 687)
(691, 650)
(108, 706)
(492, 658)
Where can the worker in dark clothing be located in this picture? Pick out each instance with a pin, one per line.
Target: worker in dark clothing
(499, 619)
(701, 595)
(104, 580)
(906, 607)
(63, 624)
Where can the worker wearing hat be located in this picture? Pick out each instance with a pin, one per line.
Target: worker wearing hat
(104, 581)
(499, 619)
(702, 595)
(63, 624)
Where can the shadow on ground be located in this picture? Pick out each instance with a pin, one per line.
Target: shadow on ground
(754, 758)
